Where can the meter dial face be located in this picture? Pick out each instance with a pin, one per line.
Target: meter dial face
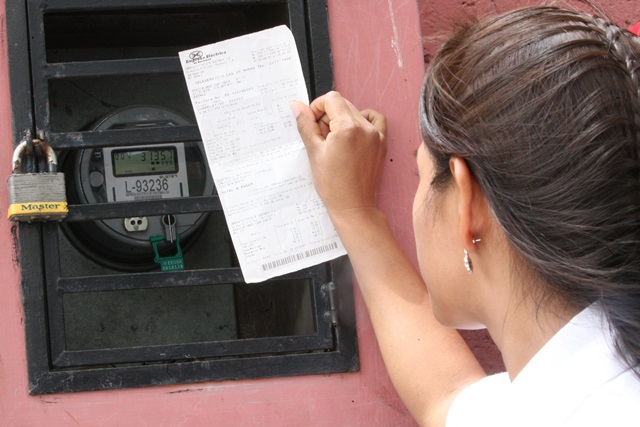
(137, 173)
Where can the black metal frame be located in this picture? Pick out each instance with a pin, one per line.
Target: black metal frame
(51, 367)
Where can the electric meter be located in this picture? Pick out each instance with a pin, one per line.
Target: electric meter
(136, 173)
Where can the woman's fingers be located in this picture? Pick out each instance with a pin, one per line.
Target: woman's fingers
(378, 120)
(346, 150)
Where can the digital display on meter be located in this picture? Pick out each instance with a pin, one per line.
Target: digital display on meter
(144, 172)
(147, 161)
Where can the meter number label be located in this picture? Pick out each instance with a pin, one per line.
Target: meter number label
(147, 185)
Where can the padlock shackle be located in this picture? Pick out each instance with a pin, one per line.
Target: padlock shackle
(52, 160)
(16, 161)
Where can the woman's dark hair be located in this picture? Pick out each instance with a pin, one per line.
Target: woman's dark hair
(543, 103)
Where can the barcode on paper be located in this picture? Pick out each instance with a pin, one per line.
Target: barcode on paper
(299, 256)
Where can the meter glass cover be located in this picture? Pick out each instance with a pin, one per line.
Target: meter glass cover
(147, 161)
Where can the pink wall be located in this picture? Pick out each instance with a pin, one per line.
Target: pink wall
(377, 63)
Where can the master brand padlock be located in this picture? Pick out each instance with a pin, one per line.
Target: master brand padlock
(36, 196)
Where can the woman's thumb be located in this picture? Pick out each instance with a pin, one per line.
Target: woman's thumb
(307, 125)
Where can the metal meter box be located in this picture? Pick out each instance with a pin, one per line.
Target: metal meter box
(100, 80)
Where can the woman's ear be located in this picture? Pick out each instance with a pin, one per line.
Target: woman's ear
(472, 206)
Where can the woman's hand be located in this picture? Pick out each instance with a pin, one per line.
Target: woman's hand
(346, 149)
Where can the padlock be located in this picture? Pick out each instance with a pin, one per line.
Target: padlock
(36, 196)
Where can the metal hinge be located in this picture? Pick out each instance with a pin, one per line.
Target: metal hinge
(331, 315)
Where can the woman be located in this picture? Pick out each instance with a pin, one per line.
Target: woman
(526, 219)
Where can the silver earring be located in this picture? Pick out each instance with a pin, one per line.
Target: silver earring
(468, 265)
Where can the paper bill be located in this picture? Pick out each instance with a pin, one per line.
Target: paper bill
(241, 90)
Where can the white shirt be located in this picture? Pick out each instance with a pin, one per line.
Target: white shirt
(575, 380)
